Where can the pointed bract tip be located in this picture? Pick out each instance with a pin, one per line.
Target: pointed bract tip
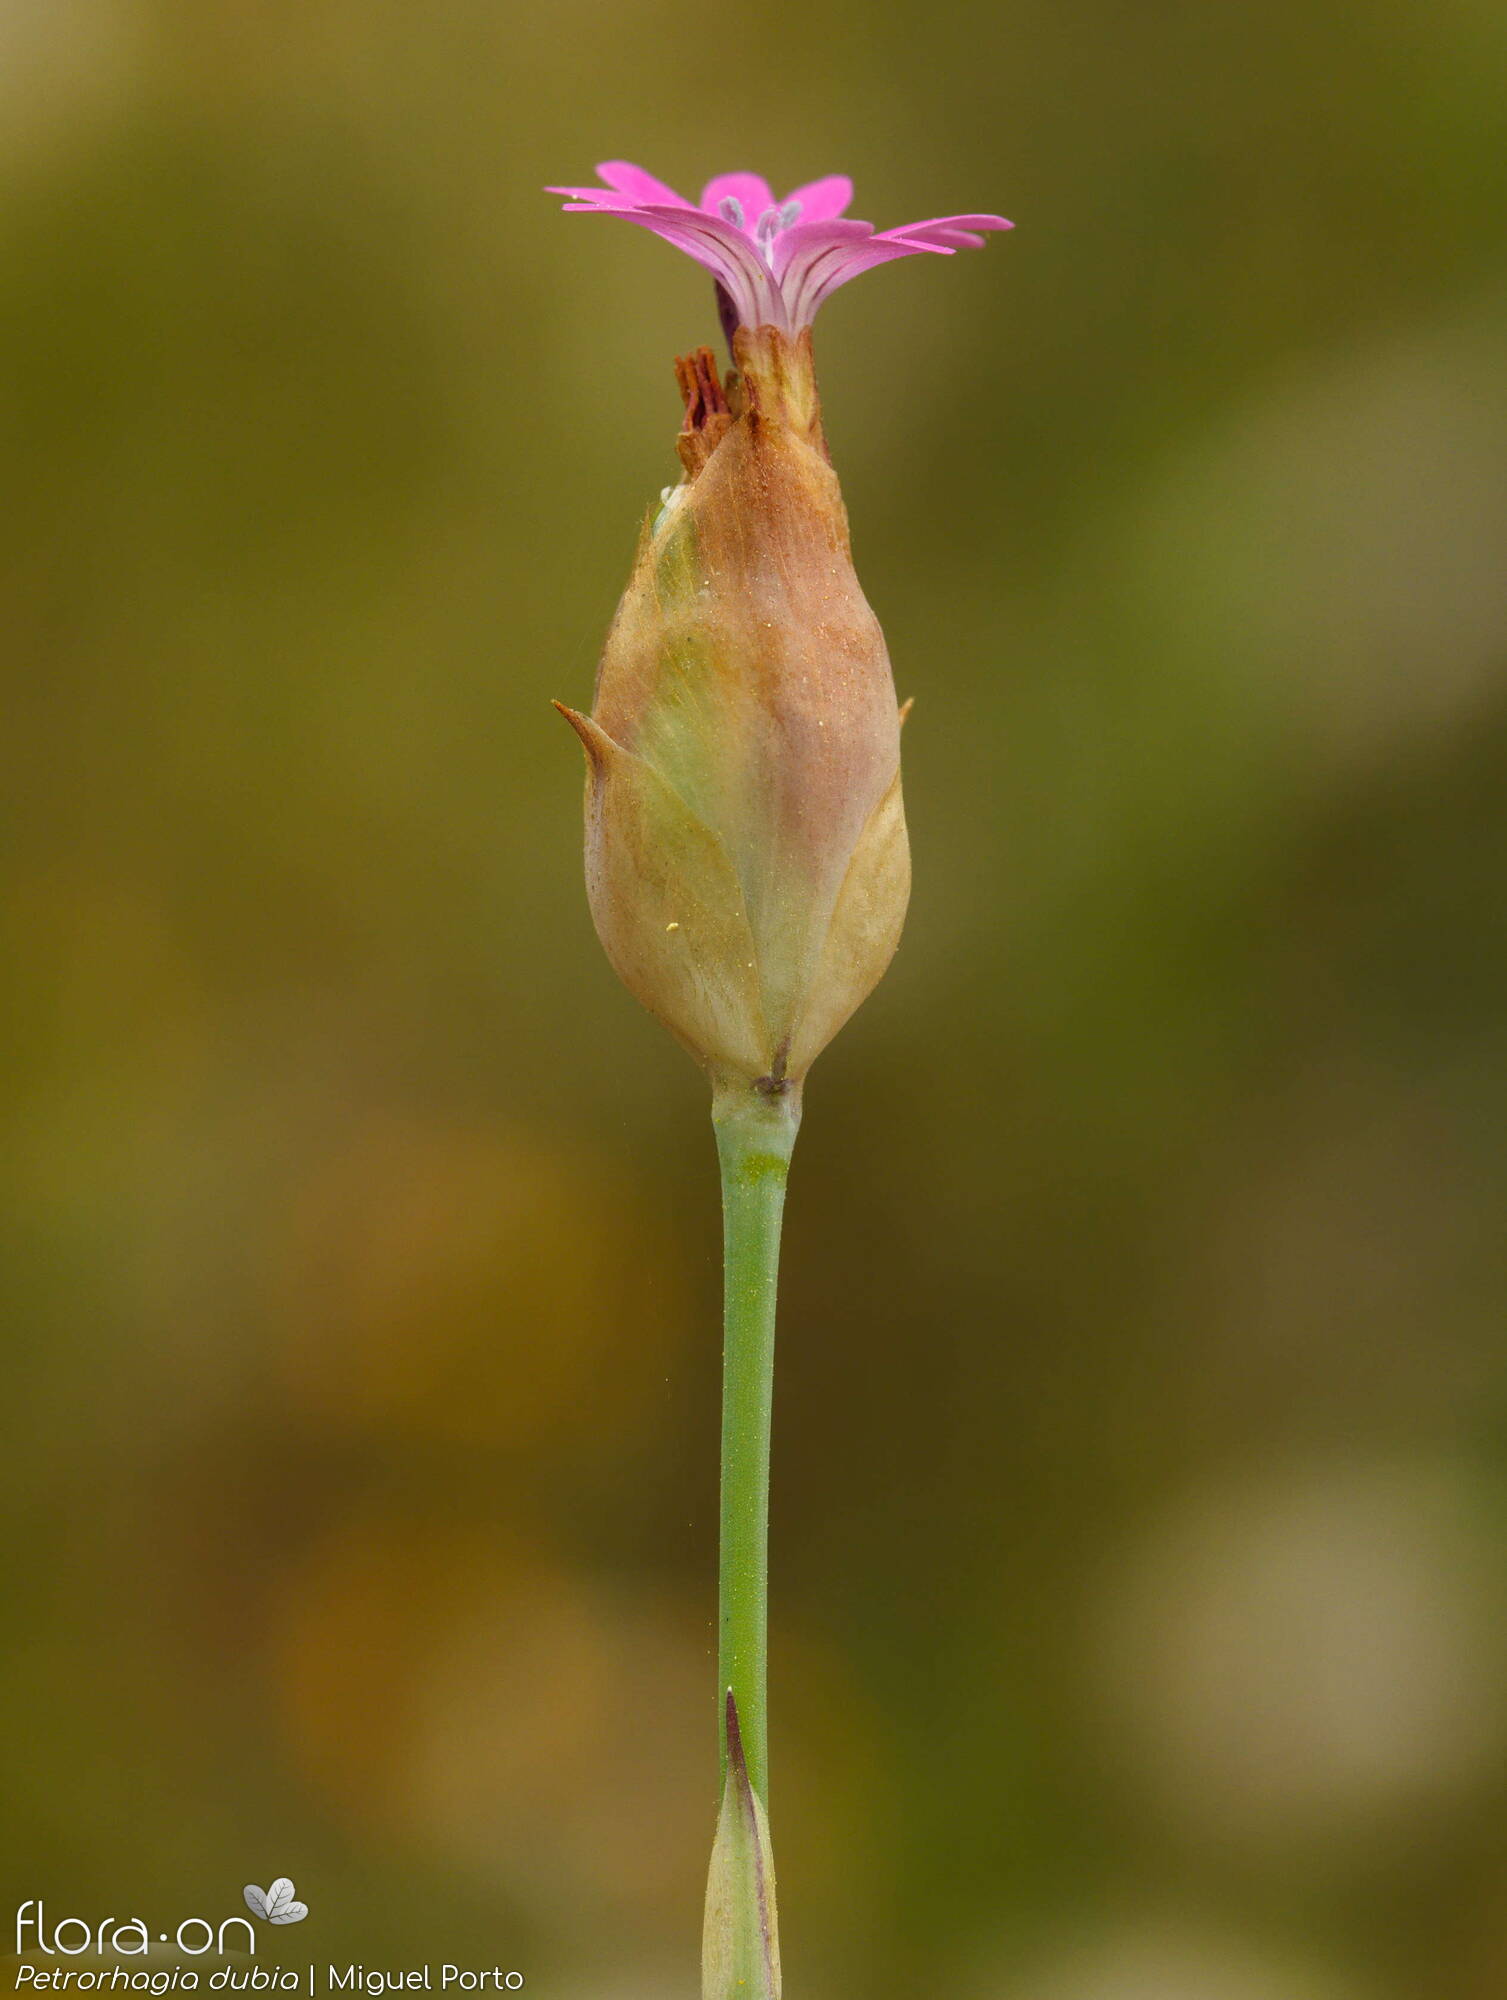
(740, 1953)
(594, 738)
(735, 1755)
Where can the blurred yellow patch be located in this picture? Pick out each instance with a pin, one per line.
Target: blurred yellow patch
(478, 1287)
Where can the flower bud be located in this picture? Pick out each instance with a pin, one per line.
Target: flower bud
(746, 856)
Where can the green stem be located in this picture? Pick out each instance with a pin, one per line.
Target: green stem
(755, 1134)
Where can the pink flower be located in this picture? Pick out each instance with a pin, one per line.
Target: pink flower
(774, 261)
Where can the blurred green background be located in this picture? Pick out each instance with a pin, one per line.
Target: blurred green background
(1140, 1626)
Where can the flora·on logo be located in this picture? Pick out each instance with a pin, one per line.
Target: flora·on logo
(126, 1937)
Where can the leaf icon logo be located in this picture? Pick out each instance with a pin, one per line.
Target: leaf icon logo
(275, 1905)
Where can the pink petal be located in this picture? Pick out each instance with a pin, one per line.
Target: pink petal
(827, 278)
(749, 190)
(945, 234)
(626, 179)
(945, 239)
(593, 197)
(823, 201)
(948, 228)
(828, 254)
(720, 247)
(806, 239)
(809, 248)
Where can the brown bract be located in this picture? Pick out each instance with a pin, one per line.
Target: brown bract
(746, 855)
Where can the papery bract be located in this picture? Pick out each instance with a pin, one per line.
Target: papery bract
(747, 863)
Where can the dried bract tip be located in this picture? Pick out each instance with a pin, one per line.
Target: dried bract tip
(707, 417)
